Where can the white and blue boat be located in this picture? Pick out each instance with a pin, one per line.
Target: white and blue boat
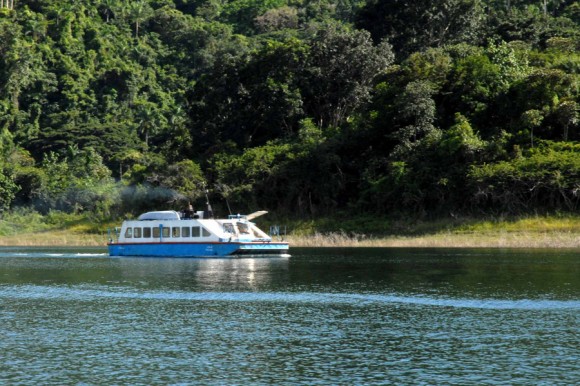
(189, 234)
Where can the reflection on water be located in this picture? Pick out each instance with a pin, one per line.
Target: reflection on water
(322, 316)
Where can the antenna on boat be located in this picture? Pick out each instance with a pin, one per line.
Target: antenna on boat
(209, 210)
(228, 204)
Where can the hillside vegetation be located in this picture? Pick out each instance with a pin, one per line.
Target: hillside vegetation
(420, 109)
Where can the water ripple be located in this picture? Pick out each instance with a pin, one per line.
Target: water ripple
(70, 293)
(63, 255)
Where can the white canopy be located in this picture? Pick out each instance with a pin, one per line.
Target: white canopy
(160, 215)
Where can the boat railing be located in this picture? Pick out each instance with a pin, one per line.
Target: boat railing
(113, 234)
(278, 231)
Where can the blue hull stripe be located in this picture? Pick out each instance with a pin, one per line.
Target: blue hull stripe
(196, 249)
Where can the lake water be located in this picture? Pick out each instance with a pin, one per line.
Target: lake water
(320, 317)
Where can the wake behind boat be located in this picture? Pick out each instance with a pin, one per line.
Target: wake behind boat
(190, 234)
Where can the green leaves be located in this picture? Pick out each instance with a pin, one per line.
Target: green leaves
(263, 95)
(139, 12)
(284, 103)
(339, 73)
(547, 178)
(460, 139)
(415, 26)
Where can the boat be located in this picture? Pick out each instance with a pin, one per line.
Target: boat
(192, 234)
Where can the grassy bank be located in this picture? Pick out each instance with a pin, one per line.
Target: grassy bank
(54, 238)
(446, 240)
(31, 229)
(28, 228)
(532, 232)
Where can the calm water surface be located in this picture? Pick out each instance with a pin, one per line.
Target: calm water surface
(320, 317)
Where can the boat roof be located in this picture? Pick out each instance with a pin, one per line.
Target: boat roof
(173, 215)
(160, 215)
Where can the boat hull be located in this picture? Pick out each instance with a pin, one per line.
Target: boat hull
(218, 249)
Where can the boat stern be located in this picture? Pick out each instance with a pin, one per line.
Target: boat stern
(262, 248)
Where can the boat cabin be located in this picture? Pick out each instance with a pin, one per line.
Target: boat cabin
(170, 226)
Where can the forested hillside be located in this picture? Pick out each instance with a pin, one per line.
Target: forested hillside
(302, 107)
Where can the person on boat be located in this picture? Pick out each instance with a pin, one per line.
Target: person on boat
(189, 213)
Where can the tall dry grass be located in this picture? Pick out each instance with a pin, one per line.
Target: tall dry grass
(444, 240)
(341, 239)
(53, 239)
(535, 232)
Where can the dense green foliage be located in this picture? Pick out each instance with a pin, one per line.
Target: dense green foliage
(302, 107)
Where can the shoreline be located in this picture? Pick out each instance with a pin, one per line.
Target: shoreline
(498, 239)
(552, 240)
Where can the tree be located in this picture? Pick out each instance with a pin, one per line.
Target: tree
(534, 22)
(461, 141)
(276, 19)
(8, 4)
(248, 99)
(185, 177)
(417, 115)
(76, 183)
(139, 12)
(150, 120)
(339, 73)
(8, 190)
(433, 65)
(22, 67)
(547, 178)
(242, 13)
(480, 83)
(544, 90)
(530, 120)
(37, 28)
(107, 8)
(248, 176)
(567, 115)
(415, 26)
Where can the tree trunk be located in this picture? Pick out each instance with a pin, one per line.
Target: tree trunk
(545, 7)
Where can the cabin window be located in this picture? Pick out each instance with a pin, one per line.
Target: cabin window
(129, 233)
(195, 232)
(229, 228)
(185, 231)
(147, 233)
(137, 232)
(156, 233)
(166, 232)
(243, 228)
(205, 232)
